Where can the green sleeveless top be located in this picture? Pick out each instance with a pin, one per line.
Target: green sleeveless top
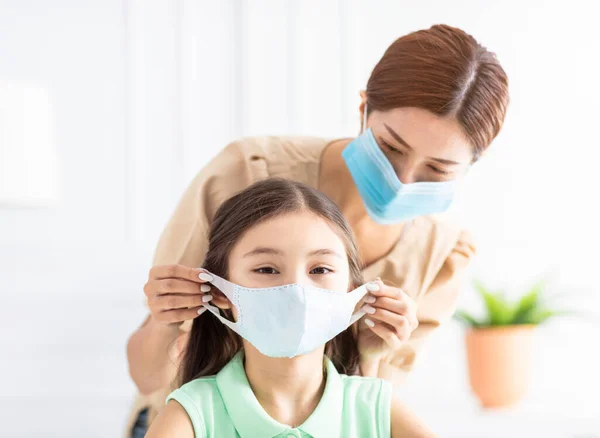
(224, 406)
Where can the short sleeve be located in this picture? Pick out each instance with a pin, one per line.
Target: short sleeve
(187, 403)
(384, 409)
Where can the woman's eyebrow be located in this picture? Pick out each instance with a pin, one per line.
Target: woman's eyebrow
(397, 137)
(406, 145)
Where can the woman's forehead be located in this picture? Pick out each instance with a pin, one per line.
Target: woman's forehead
(426, 133)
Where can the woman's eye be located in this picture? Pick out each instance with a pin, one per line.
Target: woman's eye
(440, 171)
(266, 270)
(320, 271)
(391, 149)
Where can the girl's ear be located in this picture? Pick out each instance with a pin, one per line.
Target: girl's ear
(219, 299)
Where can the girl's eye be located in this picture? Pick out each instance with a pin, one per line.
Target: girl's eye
(440, 171)
(266, 270)
(320, 271)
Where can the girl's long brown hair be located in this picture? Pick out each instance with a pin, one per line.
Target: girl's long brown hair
(211, 344)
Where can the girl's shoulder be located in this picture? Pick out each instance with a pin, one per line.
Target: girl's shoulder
(197, 391)
(367, 390)
(203, 404)
(366, 406)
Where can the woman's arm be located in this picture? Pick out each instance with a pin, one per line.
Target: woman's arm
(435, 306)
(405, 424)
(173, 422)
(152, 352)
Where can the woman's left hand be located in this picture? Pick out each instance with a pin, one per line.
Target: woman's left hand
(391, 317)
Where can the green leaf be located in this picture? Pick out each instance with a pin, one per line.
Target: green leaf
(467, 319)
(542, 315)
(530, 309)
(529, 304)
(499, 310)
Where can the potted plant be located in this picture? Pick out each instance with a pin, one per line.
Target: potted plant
(499, 345)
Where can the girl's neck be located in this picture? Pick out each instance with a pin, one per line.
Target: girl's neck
(289, 390)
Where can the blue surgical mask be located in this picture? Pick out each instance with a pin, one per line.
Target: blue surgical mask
(386, 199)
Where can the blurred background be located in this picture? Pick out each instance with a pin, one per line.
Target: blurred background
(109, 107)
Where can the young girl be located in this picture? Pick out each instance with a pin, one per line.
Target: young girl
(290, 260)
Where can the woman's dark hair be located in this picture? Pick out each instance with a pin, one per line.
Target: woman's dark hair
(447, 72)
(211, 344)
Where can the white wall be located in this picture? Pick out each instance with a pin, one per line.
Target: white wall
(145, 92)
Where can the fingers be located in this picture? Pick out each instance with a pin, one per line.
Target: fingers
(378, 289)
(391, 304)
(398, 324)
(405, 307)
(162, 303)
(392, 299)
(176, 271)
(389, 335)
(173, 286)
(179, 315)
(175, 293)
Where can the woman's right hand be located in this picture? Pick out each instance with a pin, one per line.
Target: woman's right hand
(176, 293)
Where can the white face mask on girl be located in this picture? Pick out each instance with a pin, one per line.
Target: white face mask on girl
(289, 320)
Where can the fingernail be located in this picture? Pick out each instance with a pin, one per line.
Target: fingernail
(201, 310)
(372, 287)
(204, 276)
(205, 288)
(370, 310)
(207, 298)
(369, 322)
(370, 299)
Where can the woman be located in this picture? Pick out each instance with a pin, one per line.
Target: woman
(280, 243)
(433, 104)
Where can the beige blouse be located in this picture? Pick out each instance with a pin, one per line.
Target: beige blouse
(427, 262)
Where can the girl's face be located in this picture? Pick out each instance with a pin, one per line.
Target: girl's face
(292, 248)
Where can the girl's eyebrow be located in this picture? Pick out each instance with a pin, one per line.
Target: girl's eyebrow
(263, 250)
(326, 251)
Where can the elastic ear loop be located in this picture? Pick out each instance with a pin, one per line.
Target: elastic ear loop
(355, 296)
(226, 287)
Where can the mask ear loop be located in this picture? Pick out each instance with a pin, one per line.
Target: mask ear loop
(364, 123)
(355, 296)
(227, 288)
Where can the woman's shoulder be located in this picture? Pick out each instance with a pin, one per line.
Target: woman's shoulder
(269, 146)
(284, 156)
(440, 234)
(441, 224)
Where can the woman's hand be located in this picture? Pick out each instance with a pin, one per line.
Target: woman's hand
(391, 318)
(175, 293)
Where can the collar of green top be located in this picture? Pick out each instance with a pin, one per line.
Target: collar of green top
(248, 416)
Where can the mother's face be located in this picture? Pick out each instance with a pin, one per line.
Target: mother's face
(420, 145)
